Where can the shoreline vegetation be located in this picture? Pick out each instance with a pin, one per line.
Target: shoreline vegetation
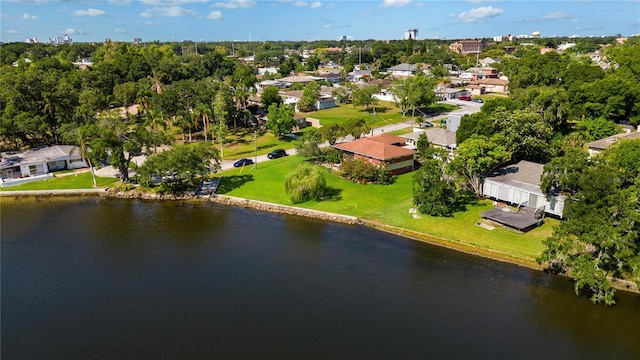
(464, 247)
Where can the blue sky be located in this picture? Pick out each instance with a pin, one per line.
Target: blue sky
(241, 20)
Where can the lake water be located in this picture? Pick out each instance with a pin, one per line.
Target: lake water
(108, 278)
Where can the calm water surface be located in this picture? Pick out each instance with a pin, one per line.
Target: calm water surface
(110, 278)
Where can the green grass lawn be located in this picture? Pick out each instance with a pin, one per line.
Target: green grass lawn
(241, 144)
(78, 181)
(388, 204)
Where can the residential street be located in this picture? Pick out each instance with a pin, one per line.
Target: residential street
(467, 107)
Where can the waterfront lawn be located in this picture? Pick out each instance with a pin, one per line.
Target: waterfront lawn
(386, 204)
(79, 181)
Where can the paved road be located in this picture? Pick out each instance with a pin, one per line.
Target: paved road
(467, 107)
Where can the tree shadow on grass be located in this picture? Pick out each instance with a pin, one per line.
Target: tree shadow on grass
(464, 199)
(229, 183)
(331, 194)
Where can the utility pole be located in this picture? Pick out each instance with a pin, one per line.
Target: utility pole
(255, 149)
(373, 117)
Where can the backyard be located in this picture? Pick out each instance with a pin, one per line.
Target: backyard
(386, 204)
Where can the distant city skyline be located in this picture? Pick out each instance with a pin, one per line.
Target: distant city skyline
(295, 20)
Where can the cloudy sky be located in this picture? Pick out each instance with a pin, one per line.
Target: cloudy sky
(242, 20)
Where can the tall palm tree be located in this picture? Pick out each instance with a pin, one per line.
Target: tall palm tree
(156, 82)
(203, 112)
(81, 136)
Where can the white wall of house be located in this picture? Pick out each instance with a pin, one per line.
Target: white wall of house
(517, 196)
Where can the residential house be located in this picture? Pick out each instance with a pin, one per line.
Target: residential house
(382, 149)
(331, 78)
(277, 83)
(40, 161)
(519, 185)
(267, 70)
(293, 97)
(489, 85)
(597, 146)
(403, 70)
(359, 75)
(438, 137)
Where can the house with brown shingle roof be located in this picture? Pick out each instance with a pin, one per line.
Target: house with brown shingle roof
(382, 149)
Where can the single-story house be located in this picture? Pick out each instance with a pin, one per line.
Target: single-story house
(595, 147)
(40, 161)
(403, 70)
(332, 78)
(293, 97)
(445, 93)
(519, 185)
(437, 137)
(263, 84)
(381, 149)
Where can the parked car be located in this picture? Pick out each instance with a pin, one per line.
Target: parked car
(277, 153)
(479, 101)
(242, 162)
(426, 124)
(464, 98)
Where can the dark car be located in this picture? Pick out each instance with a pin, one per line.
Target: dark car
(242, 162)
(277, 153)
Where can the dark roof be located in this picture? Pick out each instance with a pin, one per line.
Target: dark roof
(602, 144)
(525, 174)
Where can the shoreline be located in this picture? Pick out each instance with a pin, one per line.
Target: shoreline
(618, 284)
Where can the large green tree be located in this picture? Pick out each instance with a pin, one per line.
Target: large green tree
(280, 119)
(475, 158)
(181, 167)
(433, 191)
(599, 238)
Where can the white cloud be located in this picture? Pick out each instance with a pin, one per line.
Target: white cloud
(149, 23)
(119, 2)
(316, 4)
(214, 15)
(235, 4)
(169, 11)
(479, 14)
(90, 12)
(555, 15)
(26, 16)
(395, 3)
(301, 3)
(12, 32)
(120, 31)
(174, 11)
(326, 26)
(172, 2)
(71, 31)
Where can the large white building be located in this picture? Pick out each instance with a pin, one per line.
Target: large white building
(411, 33)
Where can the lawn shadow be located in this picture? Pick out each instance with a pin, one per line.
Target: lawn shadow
(331, 194)
(463, 200)
(229, 183)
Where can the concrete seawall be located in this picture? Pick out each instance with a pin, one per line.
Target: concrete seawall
(101, 191)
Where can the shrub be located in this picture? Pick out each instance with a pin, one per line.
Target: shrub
(365, 172)
(330, 155)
